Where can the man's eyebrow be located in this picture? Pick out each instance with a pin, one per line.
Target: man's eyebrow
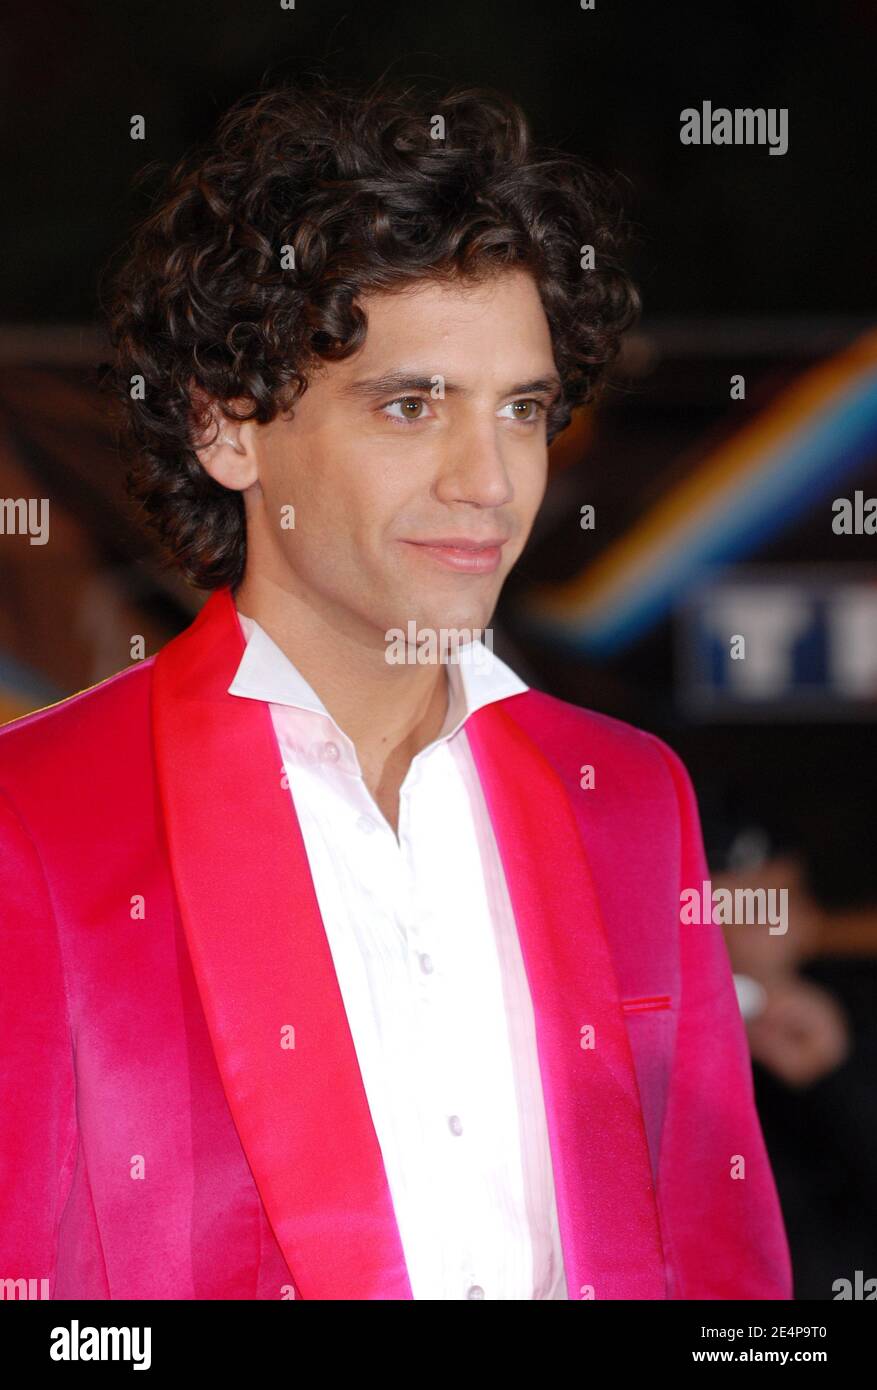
(398, 382)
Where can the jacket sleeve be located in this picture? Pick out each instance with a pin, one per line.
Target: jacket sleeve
(721, 1221)
(38, 1132)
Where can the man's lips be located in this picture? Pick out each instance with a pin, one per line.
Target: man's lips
(462, 554)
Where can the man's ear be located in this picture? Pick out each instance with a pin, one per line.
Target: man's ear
(217, 441)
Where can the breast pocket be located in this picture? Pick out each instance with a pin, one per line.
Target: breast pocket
(646, 1003)
(650, 1023)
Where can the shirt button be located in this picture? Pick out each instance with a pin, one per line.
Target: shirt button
(366, 825)
(330, 752)
(455, 1124)
(426, 964)
(475, 1291)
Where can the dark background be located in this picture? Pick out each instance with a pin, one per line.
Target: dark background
(725, 231)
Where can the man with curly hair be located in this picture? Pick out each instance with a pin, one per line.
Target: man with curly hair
(343, 964)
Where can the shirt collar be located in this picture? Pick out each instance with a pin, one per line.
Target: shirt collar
(266, 673)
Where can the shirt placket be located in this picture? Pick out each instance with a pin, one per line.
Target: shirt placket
(445, 1123)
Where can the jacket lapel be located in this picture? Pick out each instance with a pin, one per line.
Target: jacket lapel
(265, 974)
(603, 1181)
(263, 967)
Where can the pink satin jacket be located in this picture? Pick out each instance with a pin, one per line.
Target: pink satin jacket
(160, 931)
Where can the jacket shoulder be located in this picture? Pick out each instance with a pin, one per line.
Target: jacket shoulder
(568, 732)
(90, 724)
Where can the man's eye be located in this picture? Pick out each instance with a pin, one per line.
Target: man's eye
(527, 410)
(406, 408)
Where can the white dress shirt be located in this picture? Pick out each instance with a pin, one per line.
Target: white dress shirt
(426, 952)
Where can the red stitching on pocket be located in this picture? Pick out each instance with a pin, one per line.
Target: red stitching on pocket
(647, 1003)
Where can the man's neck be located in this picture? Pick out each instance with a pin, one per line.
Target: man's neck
(389, 712)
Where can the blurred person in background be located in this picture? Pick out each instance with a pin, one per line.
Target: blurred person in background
(809, 997)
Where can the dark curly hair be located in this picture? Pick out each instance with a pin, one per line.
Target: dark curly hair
(357, 183)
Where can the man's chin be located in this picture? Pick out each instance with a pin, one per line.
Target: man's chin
(442, 627)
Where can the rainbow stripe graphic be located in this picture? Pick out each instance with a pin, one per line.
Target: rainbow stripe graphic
(818, 430)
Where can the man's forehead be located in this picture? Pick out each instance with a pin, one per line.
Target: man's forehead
(430, 328)
(456, 300)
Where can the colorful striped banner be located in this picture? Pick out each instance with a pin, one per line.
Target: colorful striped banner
(819, 430)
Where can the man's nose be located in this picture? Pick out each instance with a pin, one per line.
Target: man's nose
(473, 468)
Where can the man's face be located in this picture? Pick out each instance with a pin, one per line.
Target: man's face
(410, 504)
